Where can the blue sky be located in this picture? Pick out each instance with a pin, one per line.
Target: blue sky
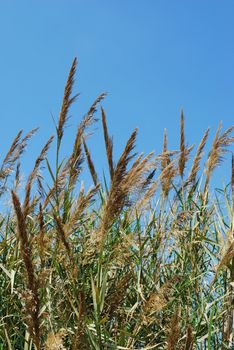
(153, 57)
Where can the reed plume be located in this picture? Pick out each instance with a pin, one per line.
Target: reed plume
(76, 159)
(219, 148)
(184, 151)
(62, 234)
(25, 139)
(17, 176)
(82, 203)
(108, 144)
(197, 159)
(117, 295)
(174, 331)
(41, 238)
(54, 341)
(13, 155)
(34, 174)
(58, 187)
(32, 299)
(225, 260)
(78, 339)
(10, 156)
(189, 338)
(118, 194)
(90, 164)
(183, 158)
(165, 167)
(67, 101)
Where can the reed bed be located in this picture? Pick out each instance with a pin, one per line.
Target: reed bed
(141, 260)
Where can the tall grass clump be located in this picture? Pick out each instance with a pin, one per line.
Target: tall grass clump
(141, 260)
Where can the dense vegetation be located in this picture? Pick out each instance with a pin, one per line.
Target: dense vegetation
(144, 260)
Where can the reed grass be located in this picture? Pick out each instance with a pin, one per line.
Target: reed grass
(143, 259)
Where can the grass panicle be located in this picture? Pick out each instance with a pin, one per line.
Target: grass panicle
(34, 174)
(67, 101)
(219, 148)
(182, 159)
(197, 159)
(32, 296)
(108, 144)
(90, 164)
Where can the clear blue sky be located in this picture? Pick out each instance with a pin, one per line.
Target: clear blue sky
(153, 57)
